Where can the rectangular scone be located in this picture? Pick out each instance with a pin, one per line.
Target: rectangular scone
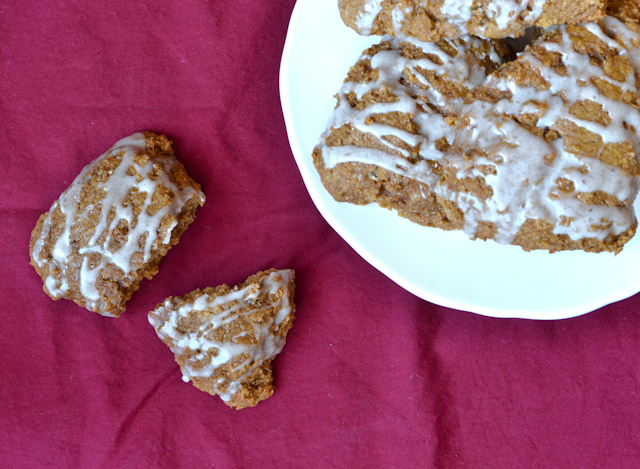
(115, 222)
(394, 122)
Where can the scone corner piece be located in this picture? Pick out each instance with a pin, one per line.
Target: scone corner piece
(225, 338)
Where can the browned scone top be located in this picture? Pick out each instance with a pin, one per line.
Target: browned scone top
(431, 20)
(115, 222)
(224, 338)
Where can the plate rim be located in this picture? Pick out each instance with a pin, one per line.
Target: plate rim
(296, 147)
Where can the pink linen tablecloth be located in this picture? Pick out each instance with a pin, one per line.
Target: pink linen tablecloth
(371, 376)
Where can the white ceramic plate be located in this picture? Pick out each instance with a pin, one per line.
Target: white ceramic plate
(442, 267)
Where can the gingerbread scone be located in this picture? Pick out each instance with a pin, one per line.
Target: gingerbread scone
(224, 339)
(432, 20)
(395, 120)
(113, 225)
(546, 153)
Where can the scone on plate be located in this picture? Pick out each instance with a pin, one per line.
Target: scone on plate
(394, 123)
(224, 338)
(432, 20)
(546, 151)
(115, 222)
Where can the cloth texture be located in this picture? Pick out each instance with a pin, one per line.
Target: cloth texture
(371, 376)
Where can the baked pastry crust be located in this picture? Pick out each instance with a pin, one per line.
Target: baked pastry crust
(224, 339)
(432, 20)
(114, 224)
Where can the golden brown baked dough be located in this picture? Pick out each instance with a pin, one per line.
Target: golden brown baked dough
(114, 224)
(224, 339)
(431, 20)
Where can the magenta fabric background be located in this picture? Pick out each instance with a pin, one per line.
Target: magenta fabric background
(371, 376)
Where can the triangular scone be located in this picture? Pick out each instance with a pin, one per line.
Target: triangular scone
(394, 122)
(432, 20)
(225, 338)
(114, 223)
(546, 153)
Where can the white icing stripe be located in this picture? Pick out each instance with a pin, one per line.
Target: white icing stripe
(625, 37)
(502, 12)
(117, 187)
(366, 17)
(457, 13)
(352, 154)
(505, 12)
(225, 310)
(398, 16)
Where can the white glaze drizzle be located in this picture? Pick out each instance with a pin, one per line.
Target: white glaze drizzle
(502, 12)
(366, 17)
(625, 37)
(116, 188)
(225, 309)
(457, 13)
